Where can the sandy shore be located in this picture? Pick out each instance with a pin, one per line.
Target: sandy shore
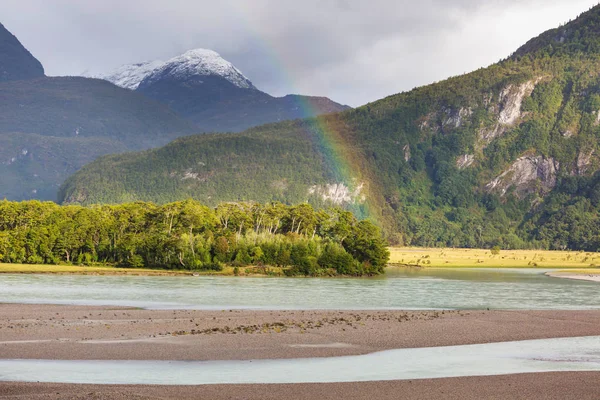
(71, 332)
(546, 386)
(581, 277)
(76, 332)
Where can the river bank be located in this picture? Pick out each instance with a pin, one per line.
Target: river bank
(539, 386)
(110, 270)
(115, 333)
(582, 275)
(402, 257)
(82, 332)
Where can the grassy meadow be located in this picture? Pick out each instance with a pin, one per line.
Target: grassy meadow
(108, 270)
(483, 258)
(74, 269)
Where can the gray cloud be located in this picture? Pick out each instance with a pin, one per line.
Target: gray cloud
(350, 50)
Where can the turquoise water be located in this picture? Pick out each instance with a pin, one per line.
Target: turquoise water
(399, 289)
(565, 354)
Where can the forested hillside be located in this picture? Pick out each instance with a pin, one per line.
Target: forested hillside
(272, 163)
(190, 236)
(469, 161)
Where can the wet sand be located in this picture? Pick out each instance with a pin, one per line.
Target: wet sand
(580, 277)
(74, 332)
(546, 386)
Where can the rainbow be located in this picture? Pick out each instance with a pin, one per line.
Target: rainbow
(345, 163)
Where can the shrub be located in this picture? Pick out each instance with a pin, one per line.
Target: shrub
(213, 266)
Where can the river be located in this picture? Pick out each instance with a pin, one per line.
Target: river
(399, 289)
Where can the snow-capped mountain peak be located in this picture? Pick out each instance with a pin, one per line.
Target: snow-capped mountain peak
(130, 76)
(197, 62)
(200, 62)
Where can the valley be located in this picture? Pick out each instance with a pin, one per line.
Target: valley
(52, 126)
(170, 230)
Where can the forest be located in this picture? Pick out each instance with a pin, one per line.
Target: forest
(188, 235)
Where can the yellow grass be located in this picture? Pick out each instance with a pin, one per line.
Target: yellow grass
(72, 269)
(107, 270)
(481, 258)
(576, 262)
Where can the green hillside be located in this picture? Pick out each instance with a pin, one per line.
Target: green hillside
(469, 161)
(271, 163)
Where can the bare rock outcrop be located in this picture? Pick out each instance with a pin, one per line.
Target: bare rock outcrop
(455, 118)
(339, 193)
(406, 150)
(465, 161)
(527, 174)
(597, 120)
(511, 100)
(584, 161)
(509, 111)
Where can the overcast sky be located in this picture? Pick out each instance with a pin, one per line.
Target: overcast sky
(353, 51)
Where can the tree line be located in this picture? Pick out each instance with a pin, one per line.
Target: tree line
(191, 236)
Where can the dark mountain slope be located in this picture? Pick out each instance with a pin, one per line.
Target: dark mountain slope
(215, 105)
(464, 162)
(33, 166)
(50, 127)
(73, 121)
(208, 90)
(15, 61)
(83, 107)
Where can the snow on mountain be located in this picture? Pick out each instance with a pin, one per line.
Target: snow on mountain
(129, 76)
(198, 62)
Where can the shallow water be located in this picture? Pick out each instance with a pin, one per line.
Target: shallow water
(565, 354)
(399, 289)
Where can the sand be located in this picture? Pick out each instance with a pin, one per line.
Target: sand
(581, 277)
(73, 332)
(546, 386)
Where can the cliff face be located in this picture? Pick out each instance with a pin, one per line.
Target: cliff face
(526, 175)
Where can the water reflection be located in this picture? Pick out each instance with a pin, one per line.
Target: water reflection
(564, 354)
(400, 289)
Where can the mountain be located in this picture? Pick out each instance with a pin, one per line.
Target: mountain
(50, 127)
(33, 166)
(82, 107)
(130, 76)
(507, 155)
(211, 92)
(16, 62)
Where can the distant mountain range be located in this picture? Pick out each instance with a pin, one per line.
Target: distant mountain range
(208, 90)
(506, 156)
(52, 126)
